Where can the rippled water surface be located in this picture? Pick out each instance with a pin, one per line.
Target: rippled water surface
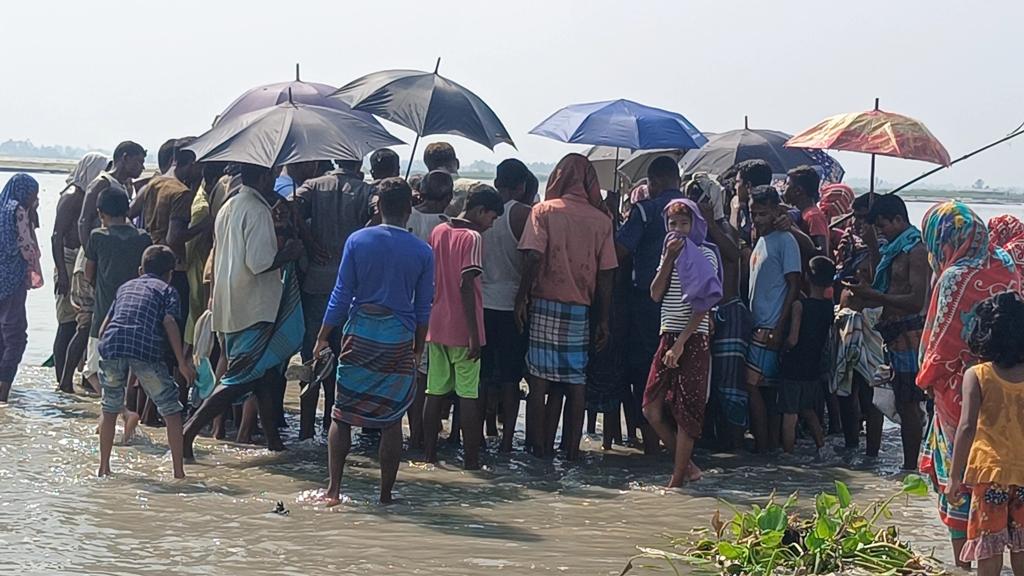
(518, 516)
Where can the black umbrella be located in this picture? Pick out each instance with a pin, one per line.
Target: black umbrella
(290, 133)
(728, 148)
(426, 103)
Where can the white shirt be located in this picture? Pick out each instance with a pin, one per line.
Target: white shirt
(676, 314)
(245, 289)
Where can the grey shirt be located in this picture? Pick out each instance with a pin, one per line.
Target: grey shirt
(336, 205)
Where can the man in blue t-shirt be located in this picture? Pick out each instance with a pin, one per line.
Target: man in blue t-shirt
(774, 284)
(642, 236)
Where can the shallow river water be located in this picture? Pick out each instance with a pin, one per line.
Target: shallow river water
(517, 516)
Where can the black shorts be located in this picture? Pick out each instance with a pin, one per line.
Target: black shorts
(503, 359)
(795, 396)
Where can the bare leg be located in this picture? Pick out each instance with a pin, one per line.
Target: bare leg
(510, 414)
(591, 421)
(75, 352)
(108, 422)
(266, 395)
(789, 432)
(576, 407)
(247, 423)
(758, 419)
(683, 468)
(219, 400)
(654, 412)
(811, 417)
(535, 416)
(1017, 563)
(472, 432)
(131, 422)
(552, 417)
(610, 427)
(390, 454)
(958, 546)
(415, 413)
(874, 430)
(455, 434)
(174, 442)
(339, 442)
(991, 566)
(431, 426)
(911, 432)
(218, 432)
(330, 385)
(65, 332)
(489, 407)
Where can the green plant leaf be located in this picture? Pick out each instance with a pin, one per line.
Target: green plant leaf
(824, 528)
(771, 540)
(732, 551)
(843, 494)
(825, 503)
(773, 518)
(813, 542)
(915, 485)
(791, 501)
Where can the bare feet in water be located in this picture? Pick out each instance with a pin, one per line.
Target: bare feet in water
(131, 422)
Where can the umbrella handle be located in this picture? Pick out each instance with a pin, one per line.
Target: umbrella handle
(412, 154)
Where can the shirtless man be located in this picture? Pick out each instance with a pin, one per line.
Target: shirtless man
(900, 286)
(128, 162)
(65, 246)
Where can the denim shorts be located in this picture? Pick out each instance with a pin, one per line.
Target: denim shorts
(153, 376)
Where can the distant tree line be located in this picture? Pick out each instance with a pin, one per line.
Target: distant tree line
(26, 149)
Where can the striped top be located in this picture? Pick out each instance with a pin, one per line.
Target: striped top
(675, 314)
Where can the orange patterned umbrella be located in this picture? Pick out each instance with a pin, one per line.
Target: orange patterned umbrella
(874, 132)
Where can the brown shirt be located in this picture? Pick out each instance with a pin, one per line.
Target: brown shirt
(167, 198)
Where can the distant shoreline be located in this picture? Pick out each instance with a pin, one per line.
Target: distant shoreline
(37, 165)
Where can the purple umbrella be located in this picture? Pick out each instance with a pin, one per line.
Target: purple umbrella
(297, 91)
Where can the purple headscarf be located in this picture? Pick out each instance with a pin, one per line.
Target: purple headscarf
(700, 283)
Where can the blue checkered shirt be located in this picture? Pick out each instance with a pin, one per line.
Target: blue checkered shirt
(135, 323)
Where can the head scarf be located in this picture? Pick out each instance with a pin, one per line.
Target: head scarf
(1007, 232)
(575, 176)
(967, 271)
(700, 283)
(836, 201)
(87, 169)
(13, 266)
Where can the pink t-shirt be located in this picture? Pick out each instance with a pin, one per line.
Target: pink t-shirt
(576, 242)
(456, 250)
(815, 223)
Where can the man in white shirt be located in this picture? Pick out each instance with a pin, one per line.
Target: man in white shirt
(256, 313)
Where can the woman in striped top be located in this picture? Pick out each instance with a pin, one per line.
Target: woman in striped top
(688, 285)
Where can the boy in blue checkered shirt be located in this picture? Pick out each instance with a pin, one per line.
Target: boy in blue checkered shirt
(134, 336)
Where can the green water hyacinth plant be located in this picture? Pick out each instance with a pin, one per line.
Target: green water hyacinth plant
(840, 538)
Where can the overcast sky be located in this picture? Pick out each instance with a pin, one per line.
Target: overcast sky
(93, 73)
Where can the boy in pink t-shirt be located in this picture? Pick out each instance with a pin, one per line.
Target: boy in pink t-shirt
(456, 330)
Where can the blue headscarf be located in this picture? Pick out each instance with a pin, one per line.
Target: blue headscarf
(13, 266)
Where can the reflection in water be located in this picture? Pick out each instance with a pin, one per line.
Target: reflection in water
(519, 516)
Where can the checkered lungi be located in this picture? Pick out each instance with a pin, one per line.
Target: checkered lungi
(559, 339)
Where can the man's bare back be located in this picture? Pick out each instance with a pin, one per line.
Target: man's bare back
(69, 208)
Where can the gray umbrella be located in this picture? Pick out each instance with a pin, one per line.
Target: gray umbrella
(290, 133)
(606, 159)
(635, 168)
(426, 103)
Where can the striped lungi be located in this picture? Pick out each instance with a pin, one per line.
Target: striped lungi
(376, 373)
(728, 360)
(559, 338)
(266, 345)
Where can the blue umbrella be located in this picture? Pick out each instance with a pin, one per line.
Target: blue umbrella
(623, 124)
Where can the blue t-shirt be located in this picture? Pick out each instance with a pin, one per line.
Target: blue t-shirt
(643, 234)
(388, 267)
(774, 256)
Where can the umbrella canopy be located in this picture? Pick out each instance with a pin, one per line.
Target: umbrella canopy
(874, 132)
(290, 133)
(606, 160)
(297, 91)
(621, 123)
(635, 168)
(729, 148)
(426, 103)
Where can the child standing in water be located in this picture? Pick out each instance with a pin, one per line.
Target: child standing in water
(803, 367)
(987, 453)
(142, 321)
(687, 285)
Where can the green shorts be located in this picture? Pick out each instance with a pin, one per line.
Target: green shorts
(450, 371)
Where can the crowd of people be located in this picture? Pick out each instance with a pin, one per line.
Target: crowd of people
(696, 310)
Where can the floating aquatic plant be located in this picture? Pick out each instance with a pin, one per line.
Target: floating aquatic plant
(839, 538)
